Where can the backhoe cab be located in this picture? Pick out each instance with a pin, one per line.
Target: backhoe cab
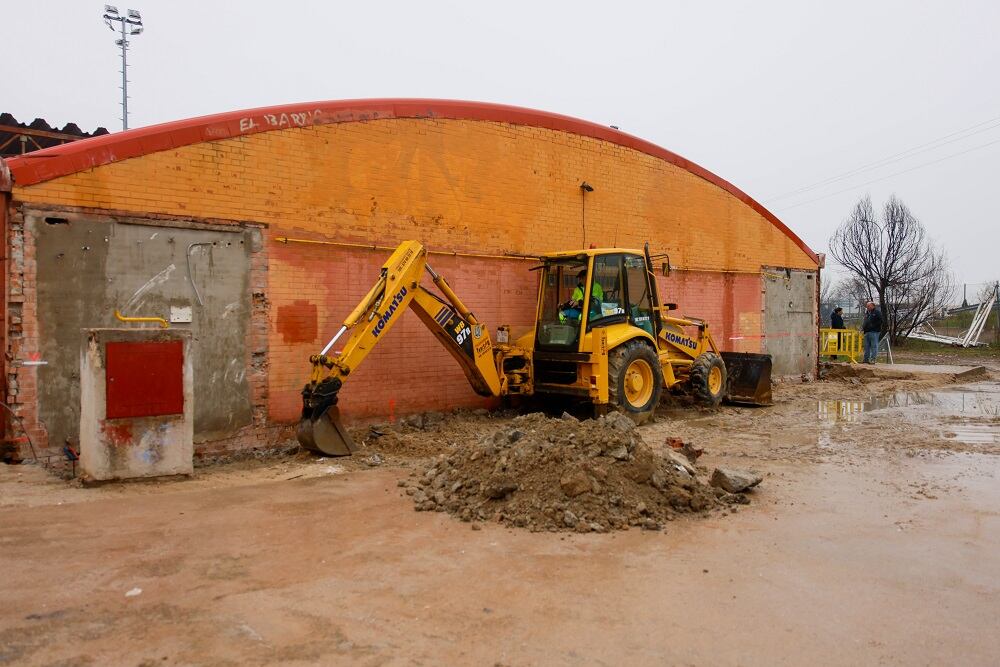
(601, 336)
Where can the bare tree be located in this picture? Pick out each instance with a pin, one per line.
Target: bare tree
(988, 292)
(827, 290)
(852, 292)
(891, 261)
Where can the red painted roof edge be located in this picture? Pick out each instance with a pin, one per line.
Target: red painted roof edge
(50, 163)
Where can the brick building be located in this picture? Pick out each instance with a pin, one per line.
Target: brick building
(270, 224)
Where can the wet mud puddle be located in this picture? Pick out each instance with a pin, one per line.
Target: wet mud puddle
(968, 414)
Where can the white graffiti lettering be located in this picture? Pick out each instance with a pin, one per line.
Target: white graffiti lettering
(270, 120)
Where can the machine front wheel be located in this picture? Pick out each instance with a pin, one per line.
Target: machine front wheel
(635, 380)
(708, 379)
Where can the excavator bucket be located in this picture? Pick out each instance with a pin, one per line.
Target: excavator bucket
(749, 378)
(326, 434)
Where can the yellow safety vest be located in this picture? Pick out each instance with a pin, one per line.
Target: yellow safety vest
(596, 291)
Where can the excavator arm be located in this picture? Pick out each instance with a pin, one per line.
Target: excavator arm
(397, 288)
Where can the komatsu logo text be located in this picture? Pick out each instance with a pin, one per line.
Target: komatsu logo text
(681, 340)
(387, 315)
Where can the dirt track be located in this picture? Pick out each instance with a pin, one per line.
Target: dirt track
(872, 540)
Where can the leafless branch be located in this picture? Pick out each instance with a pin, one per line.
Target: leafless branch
(891, 261)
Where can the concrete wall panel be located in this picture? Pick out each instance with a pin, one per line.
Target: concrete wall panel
(790, 320)
(89, 267)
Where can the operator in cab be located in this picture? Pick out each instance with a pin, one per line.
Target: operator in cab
(573, 309)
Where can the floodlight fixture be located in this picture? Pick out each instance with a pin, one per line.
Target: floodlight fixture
(133, 20)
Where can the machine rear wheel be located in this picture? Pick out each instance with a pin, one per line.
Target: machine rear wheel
(635, 380)
(708, 379)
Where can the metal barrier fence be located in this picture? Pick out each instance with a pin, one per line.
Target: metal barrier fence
(841, 343)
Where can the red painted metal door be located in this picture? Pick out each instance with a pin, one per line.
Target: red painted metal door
(144, 379)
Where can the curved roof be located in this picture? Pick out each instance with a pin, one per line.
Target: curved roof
(50, 163)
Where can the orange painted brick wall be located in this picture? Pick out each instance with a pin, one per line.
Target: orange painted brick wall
(730, 303)
(475, 186)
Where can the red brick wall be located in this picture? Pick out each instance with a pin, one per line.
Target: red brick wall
(410, 371)
(731, 303)
(22, 336)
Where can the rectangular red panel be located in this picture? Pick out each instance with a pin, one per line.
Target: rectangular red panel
(145, 379)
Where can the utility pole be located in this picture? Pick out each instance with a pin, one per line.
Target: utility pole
(996, 305)
(131, 22)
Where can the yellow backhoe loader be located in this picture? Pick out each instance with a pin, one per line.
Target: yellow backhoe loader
(600, 336)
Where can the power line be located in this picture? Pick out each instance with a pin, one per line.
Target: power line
(898, 173)
(896, 157)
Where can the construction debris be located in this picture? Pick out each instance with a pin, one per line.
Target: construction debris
(548, 474)
(971, 336)
(735, 481)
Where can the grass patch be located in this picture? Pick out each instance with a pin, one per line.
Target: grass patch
(916, 350)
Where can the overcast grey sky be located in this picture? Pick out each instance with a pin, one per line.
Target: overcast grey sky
(773, 96)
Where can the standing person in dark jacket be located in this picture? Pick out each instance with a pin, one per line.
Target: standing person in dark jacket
(837, 318)
(872, 328)
(837, 322)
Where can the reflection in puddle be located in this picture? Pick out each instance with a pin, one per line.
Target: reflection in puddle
(982, 401)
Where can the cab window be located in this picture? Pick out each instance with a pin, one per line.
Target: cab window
(639, 299)
(606, 292)
(558, 320)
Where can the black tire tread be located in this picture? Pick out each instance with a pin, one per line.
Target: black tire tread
(698, 378)
(619, 360)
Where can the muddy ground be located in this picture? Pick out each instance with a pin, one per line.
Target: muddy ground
(872, 540)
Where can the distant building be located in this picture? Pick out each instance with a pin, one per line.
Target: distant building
(19, 138)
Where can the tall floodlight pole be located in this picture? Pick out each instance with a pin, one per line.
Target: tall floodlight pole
(128, 25)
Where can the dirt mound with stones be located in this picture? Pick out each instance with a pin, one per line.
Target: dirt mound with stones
(425, 434)
(551, 474)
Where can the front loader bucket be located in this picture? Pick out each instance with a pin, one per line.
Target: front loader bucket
(749, 378)
(326, 434)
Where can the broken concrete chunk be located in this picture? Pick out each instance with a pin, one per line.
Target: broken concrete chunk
(735, 481)
(619, 421)
(568, 417)
(575, 482)
(414, 421)
(620, 453)
(676, 458)
(496, 489)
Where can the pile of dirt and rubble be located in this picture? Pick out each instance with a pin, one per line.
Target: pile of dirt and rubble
(424, 434)
(543, 473)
